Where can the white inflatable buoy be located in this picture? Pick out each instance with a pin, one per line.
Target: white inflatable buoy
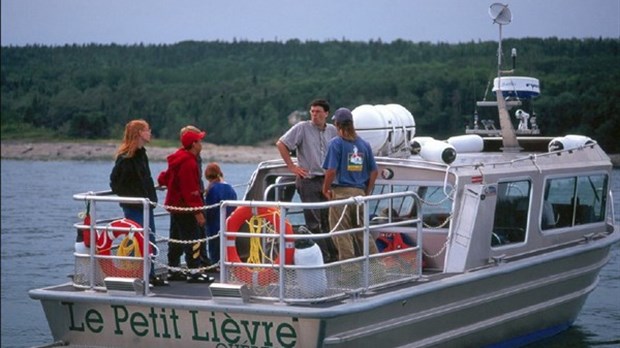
(80, 248)
(313, 281)
(467, 143)
(438, 151)
(417, 142)
(569, 142)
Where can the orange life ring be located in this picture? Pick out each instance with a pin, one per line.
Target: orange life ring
(104, 241)
(235, 221)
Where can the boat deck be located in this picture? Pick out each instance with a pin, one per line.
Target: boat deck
(185, 291)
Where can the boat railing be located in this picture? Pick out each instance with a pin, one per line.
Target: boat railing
(280, 190)
(282, 279)
(105, 260)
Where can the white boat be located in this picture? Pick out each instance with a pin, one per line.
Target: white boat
(508, 235)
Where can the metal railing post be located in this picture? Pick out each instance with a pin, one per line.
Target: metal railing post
(223, 240)
(93, 243)
(282, 252)
(366, 266)
(146, 245)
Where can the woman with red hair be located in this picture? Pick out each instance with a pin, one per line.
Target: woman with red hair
(131, 177)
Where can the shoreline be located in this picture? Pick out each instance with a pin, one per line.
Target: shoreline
(103, 151)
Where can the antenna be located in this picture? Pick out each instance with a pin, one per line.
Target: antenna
(501, 15)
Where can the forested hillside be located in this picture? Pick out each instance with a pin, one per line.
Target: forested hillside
(243, 92)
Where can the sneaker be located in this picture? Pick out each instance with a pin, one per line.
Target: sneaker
(158, 281)
(200, 278)
(176, 276)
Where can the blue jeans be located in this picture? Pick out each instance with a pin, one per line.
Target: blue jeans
(136, 214)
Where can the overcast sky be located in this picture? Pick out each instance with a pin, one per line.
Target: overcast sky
(59, 22)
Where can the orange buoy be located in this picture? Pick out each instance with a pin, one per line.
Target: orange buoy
(133, 240)
(235, 221)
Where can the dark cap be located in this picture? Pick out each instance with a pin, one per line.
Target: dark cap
(342, 115)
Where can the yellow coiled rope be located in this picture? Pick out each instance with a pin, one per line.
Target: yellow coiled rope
(257, 254)
(129, 247)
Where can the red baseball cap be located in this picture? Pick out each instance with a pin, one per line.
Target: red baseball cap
(189, 137)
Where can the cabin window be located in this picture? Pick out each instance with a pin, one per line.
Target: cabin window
(436, 205)
(511, 212)
(573, 201)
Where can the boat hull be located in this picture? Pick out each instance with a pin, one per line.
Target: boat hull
(510, 303)
(507, 305)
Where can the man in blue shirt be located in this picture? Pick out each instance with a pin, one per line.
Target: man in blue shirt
(350, 171)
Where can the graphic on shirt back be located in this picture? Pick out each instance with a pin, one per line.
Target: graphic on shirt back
(356, 160)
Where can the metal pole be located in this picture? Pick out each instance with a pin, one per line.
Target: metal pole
(146, 255)
(509, 138)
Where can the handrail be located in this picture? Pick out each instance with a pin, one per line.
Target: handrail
(364, 261)
(276, 186)
(284, 207)
(104, 196)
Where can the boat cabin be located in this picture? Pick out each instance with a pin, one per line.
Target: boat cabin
(484, 207)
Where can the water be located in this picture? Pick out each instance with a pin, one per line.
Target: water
(37, 237)
(37, 245)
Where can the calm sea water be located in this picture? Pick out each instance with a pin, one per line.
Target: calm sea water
(37, 244)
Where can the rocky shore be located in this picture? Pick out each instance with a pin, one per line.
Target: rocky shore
(51, 151)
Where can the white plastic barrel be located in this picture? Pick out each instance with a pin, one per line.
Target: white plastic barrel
(392, 122)
(312, 282)
(406, 123)
(371, 126)
(401, 122)
(385, 127)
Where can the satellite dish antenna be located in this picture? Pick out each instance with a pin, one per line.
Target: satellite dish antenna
(500, 13)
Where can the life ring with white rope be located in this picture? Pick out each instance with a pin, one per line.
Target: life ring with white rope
(244, 215)
(132, 244)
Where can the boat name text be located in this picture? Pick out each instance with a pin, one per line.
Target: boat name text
(220, 328)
